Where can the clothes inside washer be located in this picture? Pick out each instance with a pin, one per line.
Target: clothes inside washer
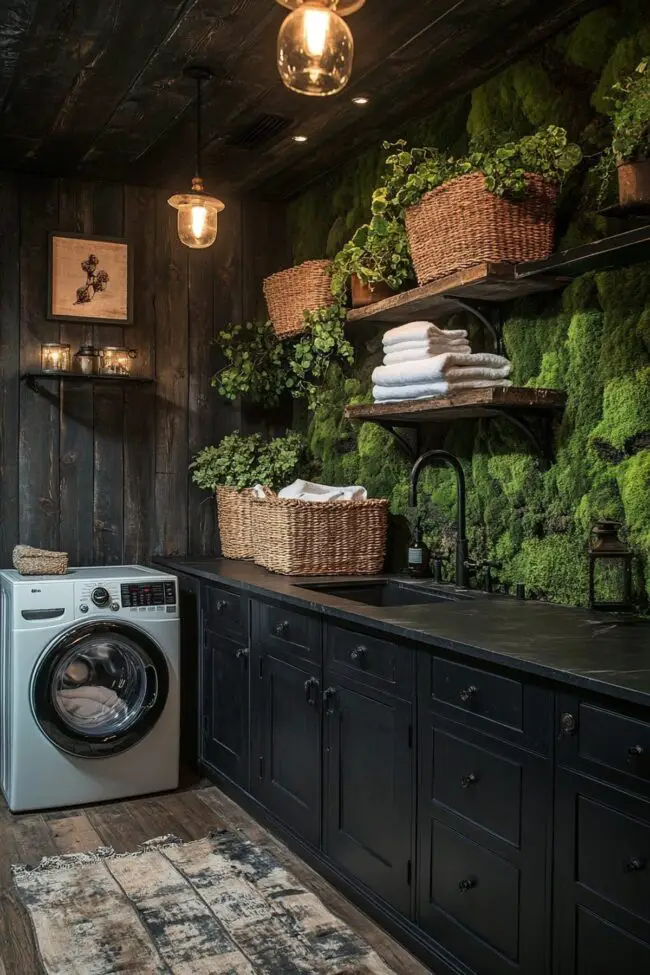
(92, 705)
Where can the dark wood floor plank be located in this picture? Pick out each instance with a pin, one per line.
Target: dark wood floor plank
(9, 365)
(18, 952)
(74, 834)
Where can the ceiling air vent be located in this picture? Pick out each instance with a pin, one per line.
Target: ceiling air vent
(259, 132)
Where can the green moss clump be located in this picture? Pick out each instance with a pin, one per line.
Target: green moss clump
(626, 411)
(589, 44)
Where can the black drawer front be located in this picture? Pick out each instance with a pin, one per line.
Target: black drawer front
(286, 629)
(614, 740)
(477, 888)
(225, 611)
(490, 696)
(604, 949)
(479, 785)
(367, 659)
(614, 855)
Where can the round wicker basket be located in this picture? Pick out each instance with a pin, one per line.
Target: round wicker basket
(461, 224)
(289, 294)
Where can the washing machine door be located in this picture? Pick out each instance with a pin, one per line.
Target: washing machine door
(99, 688)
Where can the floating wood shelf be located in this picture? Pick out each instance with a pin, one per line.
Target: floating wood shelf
(492, 284)
(33, 377)
(485, 283)
(531, 410)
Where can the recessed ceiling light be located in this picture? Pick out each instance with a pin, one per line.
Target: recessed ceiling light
(299, 138)
(360, 100)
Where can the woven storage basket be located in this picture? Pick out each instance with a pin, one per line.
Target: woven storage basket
(39, 562)
(289, 294)
(461, 224)
(234, 513)
(303, 538)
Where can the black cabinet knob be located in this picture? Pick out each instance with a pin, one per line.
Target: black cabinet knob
(468, 780)
(636, 751)
(328, 699)
(220, 605)
(282, 627)
(468, 884)
(311, 690)
(242, 653)
(568, 724)
(358, 655)
(635, 864)
(468, 694)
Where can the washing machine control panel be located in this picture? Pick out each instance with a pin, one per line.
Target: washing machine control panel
(161, 593)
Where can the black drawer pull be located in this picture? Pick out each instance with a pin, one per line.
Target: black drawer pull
(311, 689)
(328, 699)
(282, 627)
(568, 724)
(242, 653)
(635, 864)
(358, 655)
(468, 694)
(636, 751)
(468, 780)
(468, 884)
(220, 605)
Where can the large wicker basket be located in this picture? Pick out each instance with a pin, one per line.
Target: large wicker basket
(302, 538)
(461, 224)
(289, 294)
(234, 513)
(39, 562)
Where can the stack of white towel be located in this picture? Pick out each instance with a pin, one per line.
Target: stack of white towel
(309, 491)
(422, 361)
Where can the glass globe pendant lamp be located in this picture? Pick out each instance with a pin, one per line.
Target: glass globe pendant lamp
(315, 45)
(197, 211)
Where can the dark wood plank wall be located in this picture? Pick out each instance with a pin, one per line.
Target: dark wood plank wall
(101, 471)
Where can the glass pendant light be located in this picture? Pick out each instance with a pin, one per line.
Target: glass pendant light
(197, 210)
(315, 45)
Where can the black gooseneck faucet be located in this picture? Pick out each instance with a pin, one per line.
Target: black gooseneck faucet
(434, 458)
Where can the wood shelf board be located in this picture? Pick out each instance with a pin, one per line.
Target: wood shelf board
(619, 250)
(485, 282)
(461, 405)
(77, 376)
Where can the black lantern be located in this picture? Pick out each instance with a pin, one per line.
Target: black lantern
(614, 557)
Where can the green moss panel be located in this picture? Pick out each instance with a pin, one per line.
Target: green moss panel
(592, 340)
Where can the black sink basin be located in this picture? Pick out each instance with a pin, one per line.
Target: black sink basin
(381, 593)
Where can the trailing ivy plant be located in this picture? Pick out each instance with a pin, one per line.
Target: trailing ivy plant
(378, 252)
(255, 363)
(312, 353)
(240, 461)
(413, 172)
(630, 118)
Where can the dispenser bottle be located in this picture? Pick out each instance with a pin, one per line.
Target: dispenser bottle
(418, 555)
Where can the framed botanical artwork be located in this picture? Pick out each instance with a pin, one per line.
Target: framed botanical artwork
(90, 279)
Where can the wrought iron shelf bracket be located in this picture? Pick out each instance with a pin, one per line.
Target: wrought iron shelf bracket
(488, 314)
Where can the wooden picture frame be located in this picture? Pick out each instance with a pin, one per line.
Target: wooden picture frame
(90, 279)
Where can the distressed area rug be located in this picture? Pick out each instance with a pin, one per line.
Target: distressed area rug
(216, 906)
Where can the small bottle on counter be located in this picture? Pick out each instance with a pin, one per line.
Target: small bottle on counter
(418, 555)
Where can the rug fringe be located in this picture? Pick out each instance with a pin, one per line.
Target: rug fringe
(68, 861)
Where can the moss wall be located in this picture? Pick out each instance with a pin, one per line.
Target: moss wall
(592, 340)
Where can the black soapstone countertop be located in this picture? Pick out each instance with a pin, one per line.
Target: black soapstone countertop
(591, 650)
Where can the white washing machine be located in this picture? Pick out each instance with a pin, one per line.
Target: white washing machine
(89, 686)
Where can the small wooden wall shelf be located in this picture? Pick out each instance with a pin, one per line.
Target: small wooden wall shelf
(608, 254)
(531, 410)
(34, 376)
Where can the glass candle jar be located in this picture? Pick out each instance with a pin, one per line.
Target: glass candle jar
(86, 360)
(116, 360)
(55, 357)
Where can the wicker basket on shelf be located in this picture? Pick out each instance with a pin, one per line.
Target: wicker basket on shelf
(234, 515)
(303, 538)
(289, 294)
(39, 562)
(461, 224)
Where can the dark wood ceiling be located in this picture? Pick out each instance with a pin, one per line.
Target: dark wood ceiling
(95, 88)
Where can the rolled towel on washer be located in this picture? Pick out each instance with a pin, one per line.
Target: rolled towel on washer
(432, 390)
(449, 365)
(420, 332)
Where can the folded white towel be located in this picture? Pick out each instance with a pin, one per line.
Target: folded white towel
(397, 394)
(484, 365)
(424, 352)
(420, 331)
(424, 344)
(308, 491)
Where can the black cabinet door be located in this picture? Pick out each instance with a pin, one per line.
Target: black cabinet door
(368, 775)
(286, 756)
(602, 878)
(226, 707)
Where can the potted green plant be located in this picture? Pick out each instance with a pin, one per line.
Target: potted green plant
(375, 262)
(232, 467)
(629, 152)
(493, 205)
